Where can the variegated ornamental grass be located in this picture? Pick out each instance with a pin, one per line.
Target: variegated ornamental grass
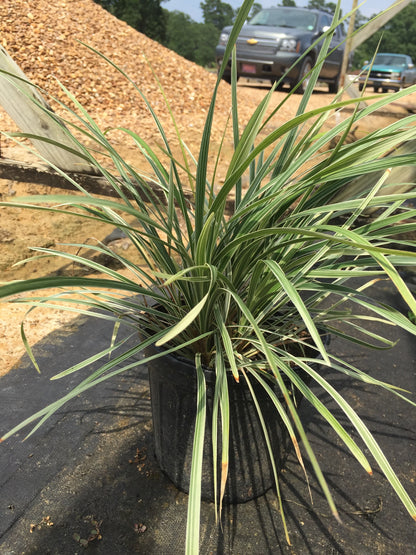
(233, 291)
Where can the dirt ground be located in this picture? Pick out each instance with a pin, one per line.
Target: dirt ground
(20, 229)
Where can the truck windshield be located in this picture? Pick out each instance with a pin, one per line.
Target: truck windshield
(390, 60)
(292, 18)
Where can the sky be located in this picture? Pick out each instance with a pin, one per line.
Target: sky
(191, 7)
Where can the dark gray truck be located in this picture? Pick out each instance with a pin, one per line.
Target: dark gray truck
(271, 42)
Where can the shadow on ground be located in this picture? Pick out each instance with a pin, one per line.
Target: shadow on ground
(90, 471)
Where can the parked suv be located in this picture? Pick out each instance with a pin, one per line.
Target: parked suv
(275, 38)
(388, 71)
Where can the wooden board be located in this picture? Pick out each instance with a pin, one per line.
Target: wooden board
(32, 114)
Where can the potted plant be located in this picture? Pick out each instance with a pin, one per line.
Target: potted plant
(242, 299)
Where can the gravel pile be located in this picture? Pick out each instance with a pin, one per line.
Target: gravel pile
(43, 38)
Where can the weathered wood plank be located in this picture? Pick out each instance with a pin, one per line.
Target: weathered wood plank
(375, 24)
(43, 175)
(355, 39)
(17, 97)
(94, 184)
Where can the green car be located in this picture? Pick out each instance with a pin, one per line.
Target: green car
(388, 71)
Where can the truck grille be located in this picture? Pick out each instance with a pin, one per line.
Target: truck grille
(380, 74)
(255, 50)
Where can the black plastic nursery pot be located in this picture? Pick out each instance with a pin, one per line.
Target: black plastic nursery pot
(173, 397)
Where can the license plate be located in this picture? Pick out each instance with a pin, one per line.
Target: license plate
(248, 68)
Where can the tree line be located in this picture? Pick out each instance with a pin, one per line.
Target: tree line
(196, 41)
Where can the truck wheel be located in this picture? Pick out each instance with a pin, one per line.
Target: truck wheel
(376, 89)
(360, 86)
(334, 85)
(226, 77)
(280, 86)
(304, 70)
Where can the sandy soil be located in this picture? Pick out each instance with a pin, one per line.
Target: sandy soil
(20, 229)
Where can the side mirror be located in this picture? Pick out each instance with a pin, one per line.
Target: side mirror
(410, 66)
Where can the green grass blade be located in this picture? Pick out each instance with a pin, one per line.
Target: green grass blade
(294, 297)
(183, 323)
(194, 502)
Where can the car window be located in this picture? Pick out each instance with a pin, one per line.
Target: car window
(326, 21)
(294, 19)
(390, 60)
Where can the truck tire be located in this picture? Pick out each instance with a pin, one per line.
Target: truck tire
(305, 68)
(333, 86)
